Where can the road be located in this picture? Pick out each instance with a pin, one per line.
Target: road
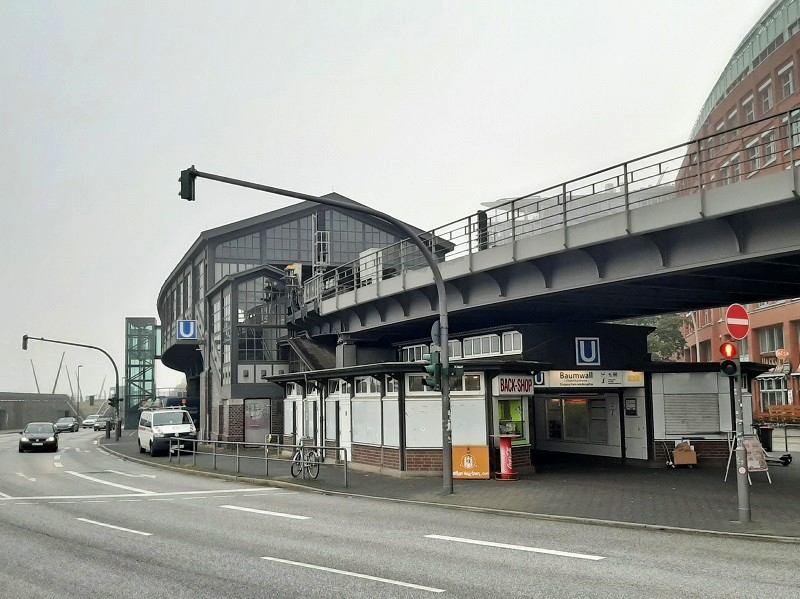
(81, 523)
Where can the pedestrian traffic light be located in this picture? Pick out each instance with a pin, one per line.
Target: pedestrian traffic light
(729, 365)
(433, 366)
(187, 184)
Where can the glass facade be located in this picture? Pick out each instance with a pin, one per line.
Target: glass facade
(289, 242)
(140, 355)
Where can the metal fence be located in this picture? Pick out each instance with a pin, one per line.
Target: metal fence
(727, 157)
(266, 452)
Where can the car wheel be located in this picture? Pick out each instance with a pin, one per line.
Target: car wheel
(21, 450)
(152, 452)
(141, 449)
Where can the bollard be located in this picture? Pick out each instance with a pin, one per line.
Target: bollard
(266, 459)
(108, 429)
(215, 455)
(237, 458)
(194, 453)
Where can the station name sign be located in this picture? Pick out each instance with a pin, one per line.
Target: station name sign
(513, 384)
(590, 378)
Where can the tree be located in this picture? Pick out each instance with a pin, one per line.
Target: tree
(666, 342)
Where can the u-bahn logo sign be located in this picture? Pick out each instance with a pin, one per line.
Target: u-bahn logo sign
(187, 329)
(587, 351)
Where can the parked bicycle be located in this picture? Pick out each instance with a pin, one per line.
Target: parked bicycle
(305, 459)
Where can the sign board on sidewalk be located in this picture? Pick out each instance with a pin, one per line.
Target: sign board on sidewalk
(756, 460)
(471, 462)
(738, 321)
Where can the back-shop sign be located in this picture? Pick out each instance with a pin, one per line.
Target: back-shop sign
(512, 384)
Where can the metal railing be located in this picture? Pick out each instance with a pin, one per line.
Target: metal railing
(727, 157)
(268, 452)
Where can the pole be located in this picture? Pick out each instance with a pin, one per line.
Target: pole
(26, 338)
(58, 372)
(35, 380)
(742, 485)
(447, 440)
(80, 396)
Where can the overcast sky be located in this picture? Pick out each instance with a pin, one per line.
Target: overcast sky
(422, 109)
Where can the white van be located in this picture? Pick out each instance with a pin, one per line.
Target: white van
(158, 426)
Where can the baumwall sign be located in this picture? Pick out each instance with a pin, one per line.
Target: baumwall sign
(560, 379)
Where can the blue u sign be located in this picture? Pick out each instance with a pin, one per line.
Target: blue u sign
(587, 351)
(187, 329)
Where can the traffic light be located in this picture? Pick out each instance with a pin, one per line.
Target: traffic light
(113, 402)
(25, 342)
(433, 366)
(456, 370)
(91, 400)
(187, 184)
(729, 365)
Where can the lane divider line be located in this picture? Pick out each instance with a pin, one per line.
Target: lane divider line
(109, 483)
(264, 512)
(4, 496)
(516, 547)
(355, 575)
(136, 532)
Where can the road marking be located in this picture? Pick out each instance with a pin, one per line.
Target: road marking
(201, 497)
(355, 574)
(130, 500)
(258, 494)
(24, 503)
(266, 513)
(163, 499)
(289, 493)
(110, 484)
(96, 501)
(118, 495)
(32, 479)
(57, 457)
(58, 464)
(222, 496)
(132, 475)
(60, 502)
(516, 547)
(136, 532)
(4, 496)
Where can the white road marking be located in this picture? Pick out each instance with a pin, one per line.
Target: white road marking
(516, 547)
(118, 495)
(289, 493)
(32, 479)
(60, 502)
(57, 457)
(96, 501)
(266, 513)
(355, 574)
(163, 499)
(136, 532)
(222, 496)
(258, 494)
(109, 483)
(4, 496)
(130, 500)
(201, 497)
(132, 475)
(58, 464)
(24, 503)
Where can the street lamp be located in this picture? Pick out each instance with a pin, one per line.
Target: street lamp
(26, 338)
(80, 396)
(187, 192)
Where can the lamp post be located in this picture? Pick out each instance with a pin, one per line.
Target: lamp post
(26, 338)
(187, 180)
(80, 397)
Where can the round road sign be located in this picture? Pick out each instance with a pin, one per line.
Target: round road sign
(738, 321)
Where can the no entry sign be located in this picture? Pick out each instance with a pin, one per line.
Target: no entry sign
(738, 321)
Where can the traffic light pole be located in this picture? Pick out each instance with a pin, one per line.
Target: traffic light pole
(26, 338)
(742, 484)
(188, 191)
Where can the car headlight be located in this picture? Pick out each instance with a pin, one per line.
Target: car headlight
(51, 439)
(24, 439)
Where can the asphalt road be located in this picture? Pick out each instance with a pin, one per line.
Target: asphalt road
(81, 523)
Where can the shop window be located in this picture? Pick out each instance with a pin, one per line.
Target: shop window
(510, 417)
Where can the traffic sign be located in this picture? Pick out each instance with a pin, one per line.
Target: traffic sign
(738, 321)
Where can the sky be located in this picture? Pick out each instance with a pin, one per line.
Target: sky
(422, 109)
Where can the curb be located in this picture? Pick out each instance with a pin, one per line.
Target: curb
(467, 508)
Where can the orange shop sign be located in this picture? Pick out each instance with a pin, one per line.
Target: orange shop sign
(471, 462)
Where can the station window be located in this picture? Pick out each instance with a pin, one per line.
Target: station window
(485, 345)
(512, 342)
(454, 348)
(368, 385)
(412, 353)
(391, 385)
(467, 382)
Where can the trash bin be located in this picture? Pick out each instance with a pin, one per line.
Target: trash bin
(765, 436)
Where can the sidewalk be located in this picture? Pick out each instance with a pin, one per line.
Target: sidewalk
(695, 499)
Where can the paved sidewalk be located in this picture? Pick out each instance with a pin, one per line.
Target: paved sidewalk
(696, 499)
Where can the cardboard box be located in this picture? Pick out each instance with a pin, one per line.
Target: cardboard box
(684, 457)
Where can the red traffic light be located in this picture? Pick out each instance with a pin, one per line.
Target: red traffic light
(729, 350)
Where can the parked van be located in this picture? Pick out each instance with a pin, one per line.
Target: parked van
(158, 426)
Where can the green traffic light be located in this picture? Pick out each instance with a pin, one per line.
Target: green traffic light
(187, 184)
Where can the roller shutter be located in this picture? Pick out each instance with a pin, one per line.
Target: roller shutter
(694, 413)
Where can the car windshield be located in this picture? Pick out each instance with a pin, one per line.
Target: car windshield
(39, 427)
(167, 418)
(65, 420)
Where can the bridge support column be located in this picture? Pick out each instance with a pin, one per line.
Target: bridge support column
(345, 351)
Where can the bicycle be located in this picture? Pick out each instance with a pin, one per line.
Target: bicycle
(305, 459)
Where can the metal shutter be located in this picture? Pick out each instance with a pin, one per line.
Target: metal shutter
(691, 413)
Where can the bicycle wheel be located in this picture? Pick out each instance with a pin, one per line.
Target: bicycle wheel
(312, 465)
(297, 464)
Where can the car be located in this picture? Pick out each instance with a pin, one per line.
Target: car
(158, 426)
(68, 423)
(38, 435)
(88, 422)
(100, 423)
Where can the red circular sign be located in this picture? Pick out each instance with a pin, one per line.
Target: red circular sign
(738, 321)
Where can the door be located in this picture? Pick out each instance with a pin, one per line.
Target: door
(633, 407)
(256, 420)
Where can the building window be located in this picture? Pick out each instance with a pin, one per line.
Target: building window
(247, 247)
(770, 339)
(724, 173)
(391, 385)
(511, 417)
(787, 80)
(454, 349)
(467, 382)
(368, 385)
(748, 108)
(415, 383)
(754, 155)
(485, 345)
(765, 95)
(512, 342)
(770, 147)
(413, 353)
(736, 169)
(773, 392)
(733, 121)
